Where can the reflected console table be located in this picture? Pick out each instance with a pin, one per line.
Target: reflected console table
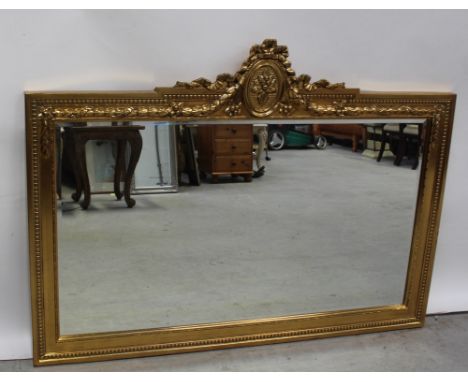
(75, 138)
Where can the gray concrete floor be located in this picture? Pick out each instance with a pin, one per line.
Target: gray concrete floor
(322, 230)
(442, 345)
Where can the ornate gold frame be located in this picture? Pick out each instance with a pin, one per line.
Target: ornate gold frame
(265, 87)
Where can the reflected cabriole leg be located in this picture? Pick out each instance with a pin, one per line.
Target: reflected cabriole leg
(119, 166)
(83, 171)
(401, 150)
(383, 143)
(135, 145)
(72, 154)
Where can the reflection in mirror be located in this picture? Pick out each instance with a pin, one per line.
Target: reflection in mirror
(164, 225)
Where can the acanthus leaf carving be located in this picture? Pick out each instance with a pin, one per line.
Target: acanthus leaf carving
(268, 64)
(223, 81)
(303, 83)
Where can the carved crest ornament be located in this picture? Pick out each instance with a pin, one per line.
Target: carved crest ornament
(265, 87)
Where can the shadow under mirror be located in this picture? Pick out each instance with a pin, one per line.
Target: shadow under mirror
(163, 225)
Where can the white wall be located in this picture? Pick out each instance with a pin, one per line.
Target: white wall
(71, 50)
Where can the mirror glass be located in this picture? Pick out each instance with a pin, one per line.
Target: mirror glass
(162, 225)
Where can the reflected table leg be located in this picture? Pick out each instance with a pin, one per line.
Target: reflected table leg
(135, 145)
(80, 149)
(119, 166)
(71, 153)
(76, 143)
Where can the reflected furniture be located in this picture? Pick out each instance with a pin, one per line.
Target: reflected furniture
(189, 158)
(404, 140)
(373, 140)
(356, 133)
(58, 158)
(225, 150)
(75, 139)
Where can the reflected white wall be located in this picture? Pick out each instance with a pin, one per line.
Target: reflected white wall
(157, 164)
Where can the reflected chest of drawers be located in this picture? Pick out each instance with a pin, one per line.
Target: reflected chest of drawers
(225, 150)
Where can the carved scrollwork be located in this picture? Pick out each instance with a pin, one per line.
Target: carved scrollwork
(223, 81)
(303, 82)
(266, 80)
(171, 110)
(342, 109)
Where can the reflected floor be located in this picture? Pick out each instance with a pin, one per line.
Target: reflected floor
(322, 230)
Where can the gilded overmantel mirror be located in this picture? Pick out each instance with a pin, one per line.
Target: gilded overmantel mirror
(262, 207)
